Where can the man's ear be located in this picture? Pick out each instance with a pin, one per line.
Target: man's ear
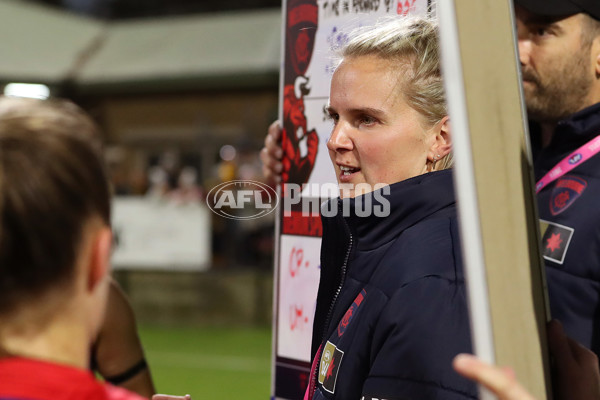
(595, 55)
(597, 64)
(442, 144)
(100, 253)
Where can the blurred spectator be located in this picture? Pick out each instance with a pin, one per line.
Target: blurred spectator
(159, 183)
(187, 190)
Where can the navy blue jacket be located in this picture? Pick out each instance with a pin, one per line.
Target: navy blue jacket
(570, 212)
(391, 308)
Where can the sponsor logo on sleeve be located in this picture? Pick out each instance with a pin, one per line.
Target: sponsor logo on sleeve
(331, 359)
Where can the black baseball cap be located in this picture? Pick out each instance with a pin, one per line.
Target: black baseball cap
(554, 8)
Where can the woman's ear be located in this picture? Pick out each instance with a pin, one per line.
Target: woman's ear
(442, 144)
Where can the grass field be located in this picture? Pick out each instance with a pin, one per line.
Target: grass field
(224, 363)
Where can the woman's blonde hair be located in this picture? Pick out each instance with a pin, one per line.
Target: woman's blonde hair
(411, 44)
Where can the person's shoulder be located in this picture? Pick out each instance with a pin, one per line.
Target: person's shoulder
(117, 393)
(429, 248)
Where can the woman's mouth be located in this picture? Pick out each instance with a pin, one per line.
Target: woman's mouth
(346, 172)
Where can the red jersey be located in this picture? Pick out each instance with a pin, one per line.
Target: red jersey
(24, 378)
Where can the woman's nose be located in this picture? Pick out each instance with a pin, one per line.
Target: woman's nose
(340, 138)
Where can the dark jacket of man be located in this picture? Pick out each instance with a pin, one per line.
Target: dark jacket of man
(569, 211)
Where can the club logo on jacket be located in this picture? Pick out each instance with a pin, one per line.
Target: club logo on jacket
(331, 359)
(350, 313)
(555, 240)
(566, 190)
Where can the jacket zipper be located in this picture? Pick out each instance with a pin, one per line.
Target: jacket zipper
(332, 305)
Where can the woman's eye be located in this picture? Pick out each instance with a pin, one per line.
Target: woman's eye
(367, 120)
(333, 118)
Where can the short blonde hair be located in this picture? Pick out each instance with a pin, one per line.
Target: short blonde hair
(411, 44)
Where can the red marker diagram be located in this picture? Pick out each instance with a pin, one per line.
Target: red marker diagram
(297, 261)
(298, 277)
(298, 319)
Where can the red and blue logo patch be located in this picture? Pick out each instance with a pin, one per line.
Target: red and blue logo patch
(350, 312)
(566, 190)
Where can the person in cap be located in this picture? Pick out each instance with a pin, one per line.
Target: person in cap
(559, 51)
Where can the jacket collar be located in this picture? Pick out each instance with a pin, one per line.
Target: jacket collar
(569, 134)
(576, 127)
(408, 202)
(583, 123)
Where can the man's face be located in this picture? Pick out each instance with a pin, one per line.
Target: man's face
(557, 65)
